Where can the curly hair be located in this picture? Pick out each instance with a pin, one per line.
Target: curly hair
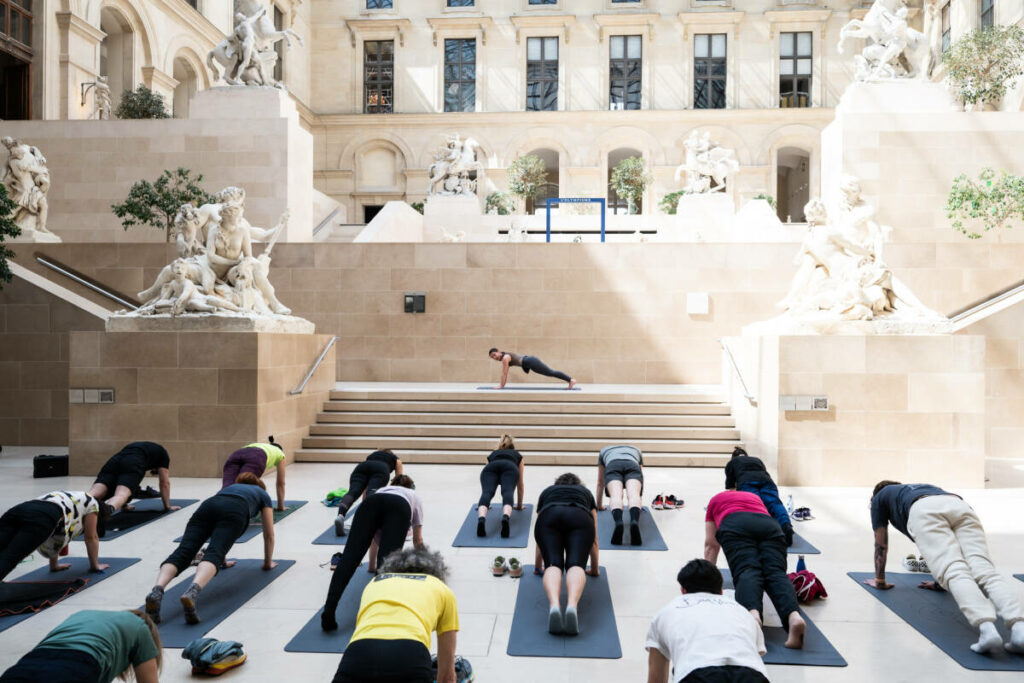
(569, 479)
(421, 560)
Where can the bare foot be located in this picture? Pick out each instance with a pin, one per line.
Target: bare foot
(797, 628)
(228, 564)
(572, 383)
(757, 616)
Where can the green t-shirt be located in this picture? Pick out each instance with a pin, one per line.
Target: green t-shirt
(116, 640)
(274, 453)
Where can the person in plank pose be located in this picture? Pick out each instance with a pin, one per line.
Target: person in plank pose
(505, 467)
(368, 476)
(620, 474)
(744, 472)
(528, 364)
(952, 541)
(120, 477)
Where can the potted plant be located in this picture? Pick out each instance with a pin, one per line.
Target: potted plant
(630, 178)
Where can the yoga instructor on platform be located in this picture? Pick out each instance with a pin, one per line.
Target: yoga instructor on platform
(528, 364)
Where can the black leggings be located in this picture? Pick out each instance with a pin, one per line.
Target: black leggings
(221, 519)
(728, 673)
(23, 528)
(385, 512)
(368, 476)
(565, 535)
(54, 665)
(504, 471)
(370, 660)
(755, 549)
(534, 364)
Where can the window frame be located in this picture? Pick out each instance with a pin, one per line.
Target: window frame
(541, 64)
(377, 84)
(390, 7)
(449, 6)
(461, 81)
(709, 75)
(794, 77)
(625, 60)
(19, 46)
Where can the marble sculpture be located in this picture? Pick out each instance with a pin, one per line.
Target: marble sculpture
(453, 162)
(27, 180)
(892, 49)
(247, 55)
(707, 165)
(101, 99)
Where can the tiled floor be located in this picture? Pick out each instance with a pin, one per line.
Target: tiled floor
(878, 646)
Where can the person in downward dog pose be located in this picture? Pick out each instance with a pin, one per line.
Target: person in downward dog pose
(952, 541)
(368, 476)
(259, 459)
(121, 476)
(528, 364)
(620, 474)
(505, 467)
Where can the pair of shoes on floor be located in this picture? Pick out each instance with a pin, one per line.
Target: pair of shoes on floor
(663, 502)
(499, 567)
(802, 514)
(569, 624)
(916, 563)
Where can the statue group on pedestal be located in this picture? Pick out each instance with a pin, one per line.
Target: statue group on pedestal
(215, 270)
(27, 180)
(450, 171)
(892, 48)
(248, 55)
(707, 165)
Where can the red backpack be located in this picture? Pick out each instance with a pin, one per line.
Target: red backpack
(807, 586)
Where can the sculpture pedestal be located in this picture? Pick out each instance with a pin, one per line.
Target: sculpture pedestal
(193, 322)
(704, 215)
(202, 394)
(36, 237)
(459, 213)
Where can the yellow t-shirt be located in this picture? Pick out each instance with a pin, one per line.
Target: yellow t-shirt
(274, 454)
(406, 607)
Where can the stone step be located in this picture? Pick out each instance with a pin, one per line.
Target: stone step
(520, 432)
(527, 445)
(573, 419)
(603, 408)
(539, 457)
(517, 396)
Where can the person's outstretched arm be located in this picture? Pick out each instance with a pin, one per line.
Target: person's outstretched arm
(711, 546)
(280, 485)
(505, 360)
(372, 561)
(446, 657)
(521, 484)
(398, 466)
(657, 667)
(147, 672)
(600, 487)
(92, 542)
(417, 535)
(881, 555)
(268, 538)
(595, 567)
(164, 475)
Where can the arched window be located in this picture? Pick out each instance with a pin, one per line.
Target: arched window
(793, 183)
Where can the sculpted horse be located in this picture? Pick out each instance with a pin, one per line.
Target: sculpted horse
(227, 52)
(460, 162)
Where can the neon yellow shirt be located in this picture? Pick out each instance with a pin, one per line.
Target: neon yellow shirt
(274, 454)
(406, 607)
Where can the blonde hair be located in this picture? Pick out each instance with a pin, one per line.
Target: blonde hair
(506, 442)
(129, 673)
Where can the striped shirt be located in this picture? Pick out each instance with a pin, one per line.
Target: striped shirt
(74, 505)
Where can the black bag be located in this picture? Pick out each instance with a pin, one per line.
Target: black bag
(49, 466)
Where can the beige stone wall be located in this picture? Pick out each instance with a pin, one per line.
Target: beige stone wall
(201, 395)
(34, 353)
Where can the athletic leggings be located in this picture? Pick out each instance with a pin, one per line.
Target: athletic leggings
(55, 665)
(391, 515)
(534, 364)
(23, 528)
(504, 471)
(565, 535)
(368, 476)
(755, 549)
(221, 519)
(728, 673)
(370, 660)
(244, 460)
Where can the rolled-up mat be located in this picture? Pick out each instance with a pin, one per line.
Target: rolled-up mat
(146, 511)
(801, 546)
(598, 637)
(79, 570)
(519, 529)
(935, 616)
(817, 650)
(256, 525)
(649, 533)
(228, 591)
(312, 638)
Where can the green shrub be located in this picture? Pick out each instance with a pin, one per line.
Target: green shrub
(985, 63)
(501, 202)
(630, 178)
(142, 103)
(8, 228)
(155, 204)
(992, 200)
(670, 202)
(768, 198)
(417, 206)
(526, 176)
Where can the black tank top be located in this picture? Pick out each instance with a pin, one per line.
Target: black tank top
(389, 459)
(505, 454)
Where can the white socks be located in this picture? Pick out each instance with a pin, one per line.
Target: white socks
(1016, 643)
(989, 640)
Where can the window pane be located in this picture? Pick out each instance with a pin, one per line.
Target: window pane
(803, 66)
(551, 48)
(786, 67)
(460, 3)
(634, 47)
(700, 45)
(469, 50)
(618, 46)
(533, 48)
(378, 4)
(3, 20)
(718, 67)
(803, 44)
(786, 48)
(700, 67)
(700, 94)
(718, 94)
(718, 45)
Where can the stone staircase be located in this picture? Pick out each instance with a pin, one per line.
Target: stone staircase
(684, 427)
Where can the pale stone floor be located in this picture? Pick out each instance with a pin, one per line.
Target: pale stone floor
(877, 644)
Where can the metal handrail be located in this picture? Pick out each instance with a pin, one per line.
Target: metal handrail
(316, 364)
(324, 222)
(746, 392)
(991, 300)
(92, 286)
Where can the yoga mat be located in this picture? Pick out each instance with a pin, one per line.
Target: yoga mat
(29, 597)
(1019, 577)
(598, 638)
(79, 570)
(527, 388)
(256, 526)
(652, 539)
(817, 650)
(936, 617)
(311, 638)
(329, 538)
(228, 591)
(801, 546)
(146, 511)
(519, 529)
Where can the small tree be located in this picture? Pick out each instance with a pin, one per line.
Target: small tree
(992, 200)
(985, 63)
(155, 204)
(8, 228)
(630, 178)
(500, 202)
(143, 103)
(526, 176)
(670, 202)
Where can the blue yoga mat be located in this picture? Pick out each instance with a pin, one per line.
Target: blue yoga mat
(817, 650)
(936, 616)
(79, 569)
(329, 538)
(1019, 577)
(146, 511)
(652, 539)
(801, 546)
(598, 637)
(311, 638)
(256, 526)
(228, 591)
(519, 529)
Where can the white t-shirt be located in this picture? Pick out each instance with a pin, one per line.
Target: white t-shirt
(697, 630)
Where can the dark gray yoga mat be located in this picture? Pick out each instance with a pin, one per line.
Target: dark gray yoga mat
(516, 387)
(146, 511)
(801, 546)
(329, 537)
(228, 591)
(649, 533)
(1019, 577)
(312, 638)
(935, 616)
(817, 650)
(79, 569)
(598, 638)
(519, 529)
(256, 526)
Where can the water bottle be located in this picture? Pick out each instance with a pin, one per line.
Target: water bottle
(789, 504)
(800, 564)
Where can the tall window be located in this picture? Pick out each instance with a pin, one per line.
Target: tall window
(378, 76)
(543, 2)
(945, 27)
(16, 21)
(988, 13)
(460, 74)
(624, 72)
(378, 4)
(279, 45)
(709, 71)
(541, 74)
(461, 3)
(795, 70)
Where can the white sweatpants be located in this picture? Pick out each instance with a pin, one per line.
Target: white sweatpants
(951, 539)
